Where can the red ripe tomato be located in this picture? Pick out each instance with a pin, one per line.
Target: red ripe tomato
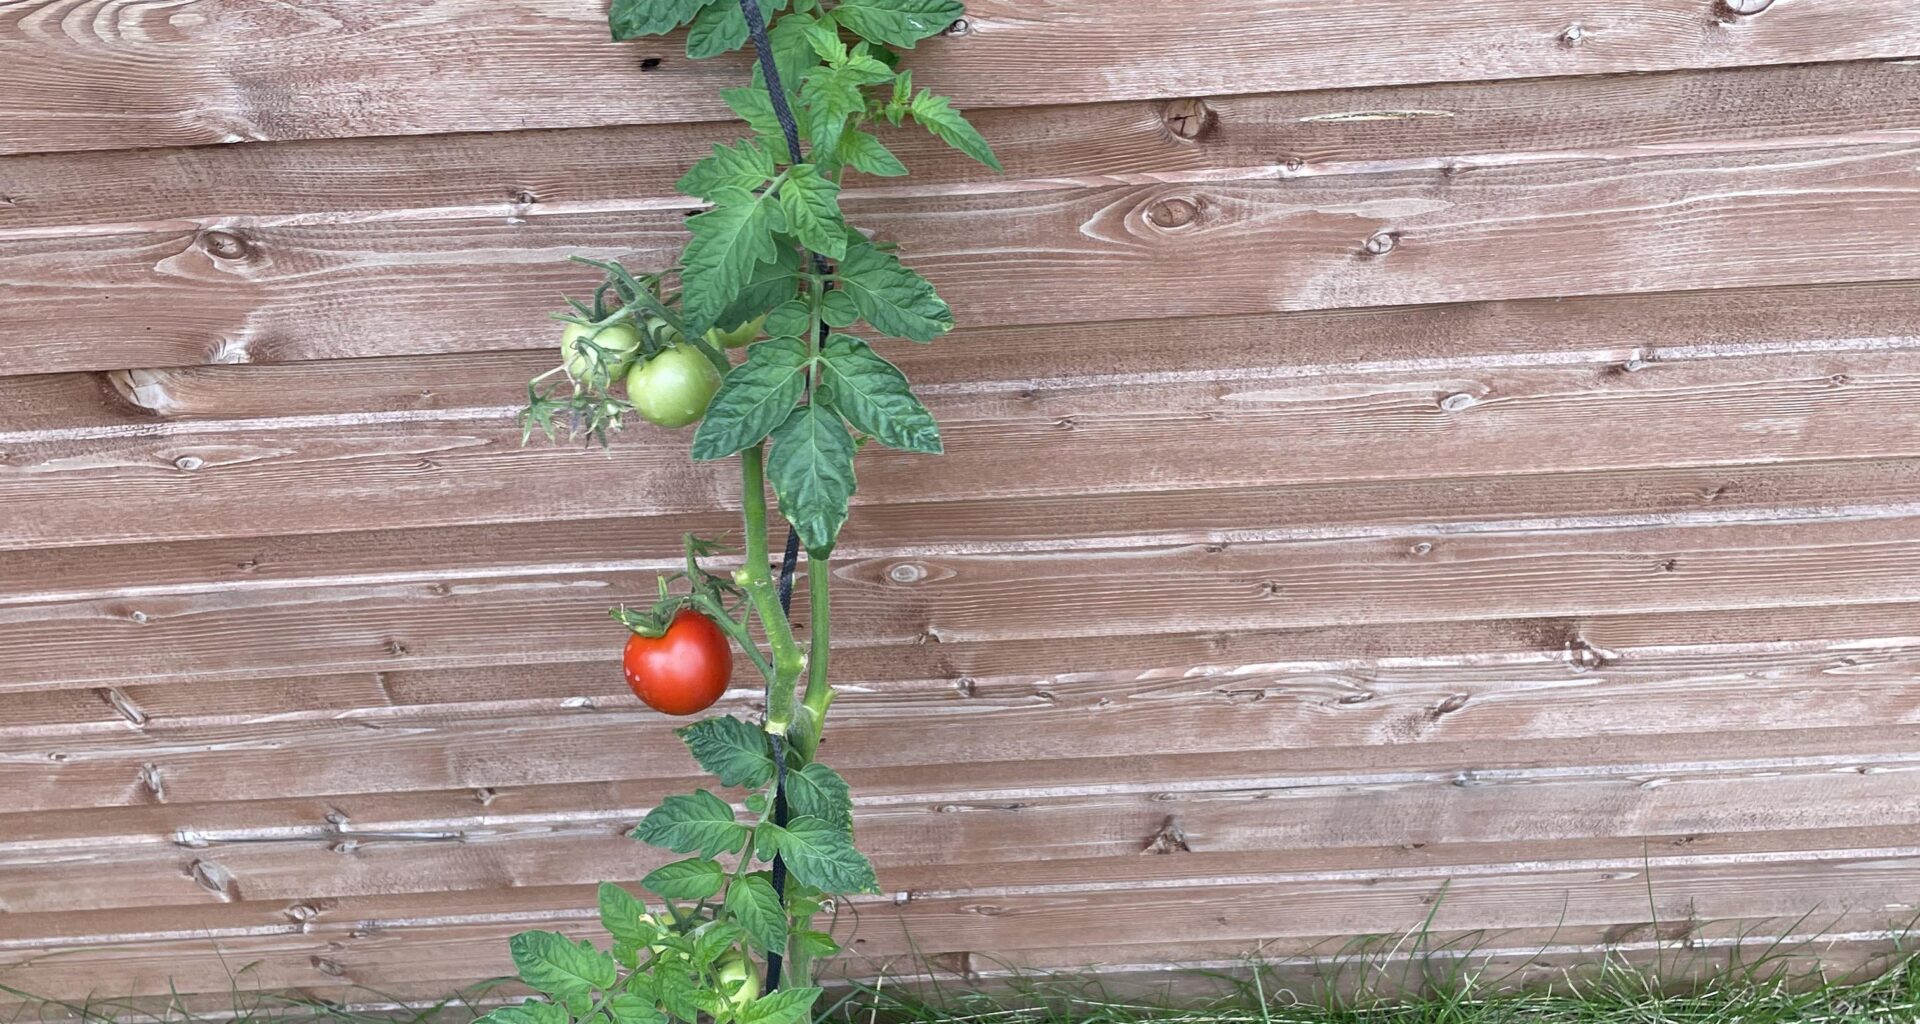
(682, 671)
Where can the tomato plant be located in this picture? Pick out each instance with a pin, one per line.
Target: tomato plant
(772, 265)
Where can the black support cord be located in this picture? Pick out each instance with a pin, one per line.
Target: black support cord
(790, 559)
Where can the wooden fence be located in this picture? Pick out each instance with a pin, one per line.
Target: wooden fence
(1408, 460)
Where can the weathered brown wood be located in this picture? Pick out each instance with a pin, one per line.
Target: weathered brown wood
(519, 615)
(469, 466)
(1715, 220)
(110, 77)
(374, 941)
(1219, 137)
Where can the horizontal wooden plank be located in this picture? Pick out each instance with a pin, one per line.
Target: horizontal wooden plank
(1222, 137)
(110, 77)
(381, 287)
(543, 616)
(469, 466)
(377, 941)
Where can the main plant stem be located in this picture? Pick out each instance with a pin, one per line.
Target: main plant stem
(757, 578)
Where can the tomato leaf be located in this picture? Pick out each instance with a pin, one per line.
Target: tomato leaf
(722, 28)
(754, 398)
(552, 963)
(745, 164)
(715, 939)
(811, 468)
(865, 153)
(769, 285)
(793, 53)
(620, 914)
(693, 823)
(821, 854)
(529, 1012)
(816, 945)
(693, 879)
(812, 206)
(756, 108)
(631, 18)
(626, 1008)
(936, 114)
(755, 905)
(830, 96)
(874, 396)
(724, 745)
(817, 791)
(679, 991)
(789, 320)
(892, 298)
(838, 310)
(729, 241)
(899, 23)
(787, 1006)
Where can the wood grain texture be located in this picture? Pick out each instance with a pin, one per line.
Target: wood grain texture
(94, 75)
(1218, 138)
(1717, 220)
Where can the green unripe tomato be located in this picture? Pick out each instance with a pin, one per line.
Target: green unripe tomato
(734, 969)
(740, 335)
(673, 388)
(620, 342)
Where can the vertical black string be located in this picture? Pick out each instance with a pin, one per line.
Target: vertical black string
(790, 558)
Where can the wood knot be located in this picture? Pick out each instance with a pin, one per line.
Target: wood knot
(188, 463)
(1380, 243)
(650, 64)
(225, 245)
(1727, 10)
(1189, 119)
(522, 196)
(1173, 213)
(1573, 35)
(960, 27)
(907, 572)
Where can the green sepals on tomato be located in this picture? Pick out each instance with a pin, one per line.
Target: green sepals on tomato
(673, 388)
(739, 336)
(599, 354)
(683, 670)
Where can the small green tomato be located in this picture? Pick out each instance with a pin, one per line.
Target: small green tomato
(673, 388)
(739, 983)
(619, 342)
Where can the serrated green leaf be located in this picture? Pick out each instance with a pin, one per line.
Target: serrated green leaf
(754, 398)
(793, 52)
(936, 114)
(812, 205)
(715, 939)
(816, 945)
(552, 963)
(865, 68)
(756, 907)
(899, 23)
(745, 164)
(698, 822)
(769, 285)
(724, 745)
(755, 107)
(824, 39)
(891, 297)
(787, 1006)
(837, 309)
(821, 854)
(811, 468)
(790, 319)
(722, 28)
(679, 991)
(766, 841)
(830, 97)
(729, 241)
(693, 879)
(865, 153)
(529, 1012)
(817, 791)
(621, 913)
(627, 1008)
(874, 396)
(631, 18)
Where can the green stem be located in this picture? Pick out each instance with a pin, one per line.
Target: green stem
(757, 580)
(819, 694)
(736, 631)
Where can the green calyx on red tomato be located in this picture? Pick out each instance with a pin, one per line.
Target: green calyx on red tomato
(682, 671)
(611, 350)
(673, 388)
